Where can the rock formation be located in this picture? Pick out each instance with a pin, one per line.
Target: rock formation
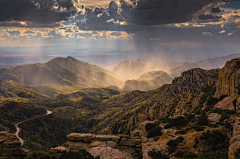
(228, 78)
(192, 79)
(106, 146)
(10, 146)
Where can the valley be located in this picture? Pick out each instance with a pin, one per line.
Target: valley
(159, 106)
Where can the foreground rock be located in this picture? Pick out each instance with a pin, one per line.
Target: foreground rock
(109, 153)
(10, 146)
(227, 103)
(234, 142)
(106, 146)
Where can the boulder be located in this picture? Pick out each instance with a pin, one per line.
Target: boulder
(81, 137)
(109, 153)
(97, 144)
(76, 146)
(227, 103)
(214, 117)
(112, 144)
(114, 138)
(59, 149)
(129, 142)
(158, 147)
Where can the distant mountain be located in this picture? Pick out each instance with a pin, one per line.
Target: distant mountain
(175, 69)
(61, 72)
(134, 69)
(148, 81)
(217, 62)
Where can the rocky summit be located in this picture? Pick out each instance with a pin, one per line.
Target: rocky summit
(228, 78)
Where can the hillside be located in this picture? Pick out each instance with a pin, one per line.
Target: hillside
(186, 94)
(148, 81)
(61, 72)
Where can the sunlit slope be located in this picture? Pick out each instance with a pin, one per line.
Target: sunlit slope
(148, 81)
(61, 71)
(12, 90)
(186, 94)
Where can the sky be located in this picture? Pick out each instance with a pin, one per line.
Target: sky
(106, 32)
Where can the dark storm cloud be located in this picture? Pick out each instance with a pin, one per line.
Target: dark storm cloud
(215, 10)
(38, 11)
(141, 13)
(205, 17)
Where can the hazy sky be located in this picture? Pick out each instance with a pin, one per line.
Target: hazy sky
(102, 31)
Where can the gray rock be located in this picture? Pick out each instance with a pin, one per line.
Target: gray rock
(109, 153)
(81, 137)
(114, 138)
(129, 142)
(59, 149)
(97, 144)
(214, 117)
(227, 103)
(112, 144)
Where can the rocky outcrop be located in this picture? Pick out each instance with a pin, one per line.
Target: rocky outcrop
(229, 78)
(59, 149)
(214, 117)
(109, 153)
(106, 146)
(10, 146)
(235, 140)
(227, 103)
(191, 80)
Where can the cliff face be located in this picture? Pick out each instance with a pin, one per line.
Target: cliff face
(191, 80)
(229, 78)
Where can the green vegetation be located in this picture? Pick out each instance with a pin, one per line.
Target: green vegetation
(237, 154)
(214, 155)
(157, 155)
(180, 121)
(153, 130)
(172, 144)
(82, 154)
(216, 139)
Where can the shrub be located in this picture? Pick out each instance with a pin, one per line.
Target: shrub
(180, 121)
(181, 132)
(196, 140)
(153, 130)
(217, 140)
(198, 128)
(222, 97)
(157, 155)
(150, 126)
(237, 154)
(179, 139)
(172, 145)
(82, 154)
(202, 120)
(190, 155)
(179, 154)
(214, 155)
(223, 117)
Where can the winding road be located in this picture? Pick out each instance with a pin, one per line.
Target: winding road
(18, 129)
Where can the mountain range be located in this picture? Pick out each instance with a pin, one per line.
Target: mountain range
(189, 116)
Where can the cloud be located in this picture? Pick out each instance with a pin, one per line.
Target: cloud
(38, 12)
(132, 15)
(207, 34)
(205, 17)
